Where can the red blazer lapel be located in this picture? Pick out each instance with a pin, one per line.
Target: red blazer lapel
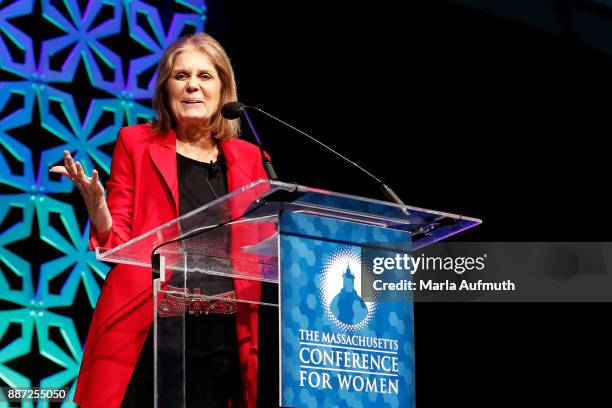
(237, 176)
(163, 155)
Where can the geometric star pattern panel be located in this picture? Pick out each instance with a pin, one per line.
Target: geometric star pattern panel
(71, 74)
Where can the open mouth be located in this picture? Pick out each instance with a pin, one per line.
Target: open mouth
(192, 101)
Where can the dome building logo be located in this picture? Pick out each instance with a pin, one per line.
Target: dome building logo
(340, 291)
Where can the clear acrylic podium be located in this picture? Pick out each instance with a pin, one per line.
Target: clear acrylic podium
(236, 236)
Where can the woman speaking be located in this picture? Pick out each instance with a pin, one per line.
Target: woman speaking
(157, 174)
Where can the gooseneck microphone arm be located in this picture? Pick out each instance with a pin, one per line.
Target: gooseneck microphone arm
(270, 172)
(233, 110)
(387, 191)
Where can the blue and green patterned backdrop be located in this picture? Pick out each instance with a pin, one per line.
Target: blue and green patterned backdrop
(71, 74)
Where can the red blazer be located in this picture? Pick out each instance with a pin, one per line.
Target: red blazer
(143, 194)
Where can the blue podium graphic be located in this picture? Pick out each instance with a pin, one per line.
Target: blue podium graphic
(336, 349)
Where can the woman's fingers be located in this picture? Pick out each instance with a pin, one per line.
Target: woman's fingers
(80, 173)
(90, 188)
(96, 186)
(59, 169)
(69, 164)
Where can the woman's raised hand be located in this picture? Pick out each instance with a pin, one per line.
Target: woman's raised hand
(92, 192)
(90, 187)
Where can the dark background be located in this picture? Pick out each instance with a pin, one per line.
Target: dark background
(471, 111)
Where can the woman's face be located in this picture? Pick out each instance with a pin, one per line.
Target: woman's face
(194, 88)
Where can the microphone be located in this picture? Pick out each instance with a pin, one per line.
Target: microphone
(234, 109)
(214, 167)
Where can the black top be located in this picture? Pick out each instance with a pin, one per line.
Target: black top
(194, 189)
(200, 183)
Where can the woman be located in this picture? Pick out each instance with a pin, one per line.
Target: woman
(155, 177)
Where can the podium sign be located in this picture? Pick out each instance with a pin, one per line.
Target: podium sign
(337, 349)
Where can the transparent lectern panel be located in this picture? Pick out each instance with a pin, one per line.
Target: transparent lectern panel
(231, 244)
(426, 226)
(236, 235)
(208, 220)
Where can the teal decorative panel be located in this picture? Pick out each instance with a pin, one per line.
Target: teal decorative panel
(71, 74)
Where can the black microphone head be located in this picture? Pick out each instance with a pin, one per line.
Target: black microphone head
(231, 110)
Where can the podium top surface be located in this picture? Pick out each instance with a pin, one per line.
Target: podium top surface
(241, 228)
